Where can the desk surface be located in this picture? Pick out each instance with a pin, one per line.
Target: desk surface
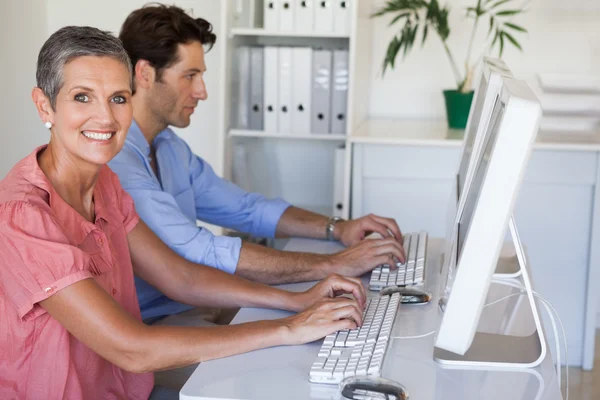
(282, 372)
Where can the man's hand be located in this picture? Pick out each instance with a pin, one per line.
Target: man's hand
(352, 232)
(331, 287)
(366, 255)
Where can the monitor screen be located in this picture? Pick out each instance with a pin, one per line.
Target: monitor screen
(480, 167)
(471, 131)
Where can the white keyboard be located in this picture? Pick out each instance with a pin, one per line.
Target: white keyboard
(412, 272)
(357, 351)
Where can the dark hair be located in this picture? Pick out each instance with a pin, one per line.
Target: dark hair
(154, 31)
(71, 42)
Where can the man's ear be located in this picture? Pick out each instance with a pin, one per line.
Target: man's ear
(145, 74)
(43, 106)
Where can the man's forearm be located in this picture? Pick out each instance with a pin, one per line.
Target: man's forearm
(270, 266)
(297, 222)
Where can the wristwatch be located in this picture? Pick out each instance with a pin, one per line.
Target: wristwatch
(330, 225)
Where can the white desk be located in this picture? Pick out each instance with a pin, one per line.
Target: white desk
(282, 372)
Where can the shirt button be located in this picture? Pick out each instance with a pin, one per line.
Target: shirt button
(49, 290)
(114, 291)
(101, 241)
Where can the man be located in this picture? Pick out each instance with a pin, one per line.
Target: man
(172, 187)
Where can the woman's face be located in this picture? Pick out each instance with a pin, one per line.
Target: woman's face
(93, 109)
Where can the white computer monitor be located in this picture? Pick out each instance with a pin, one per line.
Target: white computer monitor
(497, 171)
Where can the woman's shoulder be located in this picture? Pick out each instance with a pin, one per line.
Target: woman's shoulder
(22, 186)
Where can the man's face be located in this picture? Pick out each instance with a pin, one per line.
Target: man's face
(175, 96)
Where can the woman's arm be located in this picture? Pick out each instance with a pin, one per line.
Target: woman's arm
(94, 318)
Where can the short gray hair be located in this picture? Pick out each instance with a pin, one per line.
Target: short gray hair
(69, 43)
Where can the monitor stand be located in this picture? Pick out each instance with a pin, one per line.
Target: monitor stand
(490, 350)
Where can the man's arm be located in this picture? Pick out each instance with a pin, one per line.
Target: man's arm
(267, 265)
(297, 222)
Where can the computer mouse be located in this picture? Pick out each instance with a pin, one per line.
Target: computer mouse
(410, 295)
(371, 387)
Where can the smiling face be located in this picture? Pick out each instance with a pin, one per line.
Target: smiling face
(93, 109)
(175, 95)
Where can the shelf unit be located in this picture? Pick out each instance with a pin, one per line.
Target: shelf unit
(307, 136)
(264, 32)
(298, 168)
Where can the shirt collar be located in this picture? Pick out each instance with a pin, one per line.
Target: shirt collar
(32, 172)
(138, 140)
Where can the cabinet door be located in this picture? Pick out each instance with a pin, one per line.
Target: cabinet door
(554, 216)
(412, 184)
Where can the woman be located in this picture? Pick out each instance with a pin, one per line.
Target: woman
(70, 242)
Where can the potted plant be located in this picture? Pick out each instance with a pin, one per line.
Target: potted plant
(426, 16)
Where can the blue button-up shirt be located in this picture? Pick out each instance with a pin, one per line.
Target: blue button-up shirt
(187, 189)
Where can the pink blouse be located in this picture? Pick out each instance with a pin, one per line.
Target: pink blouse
(45, 246)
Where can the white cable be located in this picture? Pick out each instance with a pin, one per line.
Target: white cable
(548, 307)
(547, 304)
(414, 337)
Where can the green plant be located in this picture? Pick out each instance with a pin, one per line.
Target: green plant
(427, 15)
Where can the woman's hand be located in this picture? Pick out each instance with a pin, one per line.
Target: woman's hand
(331, 287)
(325, 317)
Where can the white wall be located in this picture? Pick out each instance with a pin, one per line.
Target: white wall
(561, 38)
(22, 33)
(202, 135)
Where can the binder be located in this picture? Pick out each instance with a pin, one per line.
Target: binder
(339, 91)
(304, 15)
(339, 159)
(341, 17)
(286, 15)
(271, 88)
(323, 16)
(321, 91)
(284, 117)
(301, 89)
(241, 94)
(256, 109)
(271, 14)
(246, 13)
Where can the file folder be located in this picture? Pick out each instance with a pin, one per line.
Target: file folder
(304, 15)
(339, 159)
(324, 16)
(256, 109)
(321, 91)
(284, 118)
(341, 17)
(301, 90)
(286, 15)
(271, 88)
(241, 94)
(339, 93)
(271, 14)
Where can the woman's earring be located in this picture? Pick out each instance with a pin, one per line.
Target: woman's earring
(48, 124)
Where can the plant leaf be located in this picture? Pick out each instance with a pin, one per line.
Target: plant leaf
(515, 27)
(501, 43)
(513, 40)
(425, 30)
(397, 17)
(491, 24)
(506, 13)
(498, 4)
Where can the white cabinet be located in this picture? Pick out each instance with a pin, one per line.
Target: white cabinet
(554, 214)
